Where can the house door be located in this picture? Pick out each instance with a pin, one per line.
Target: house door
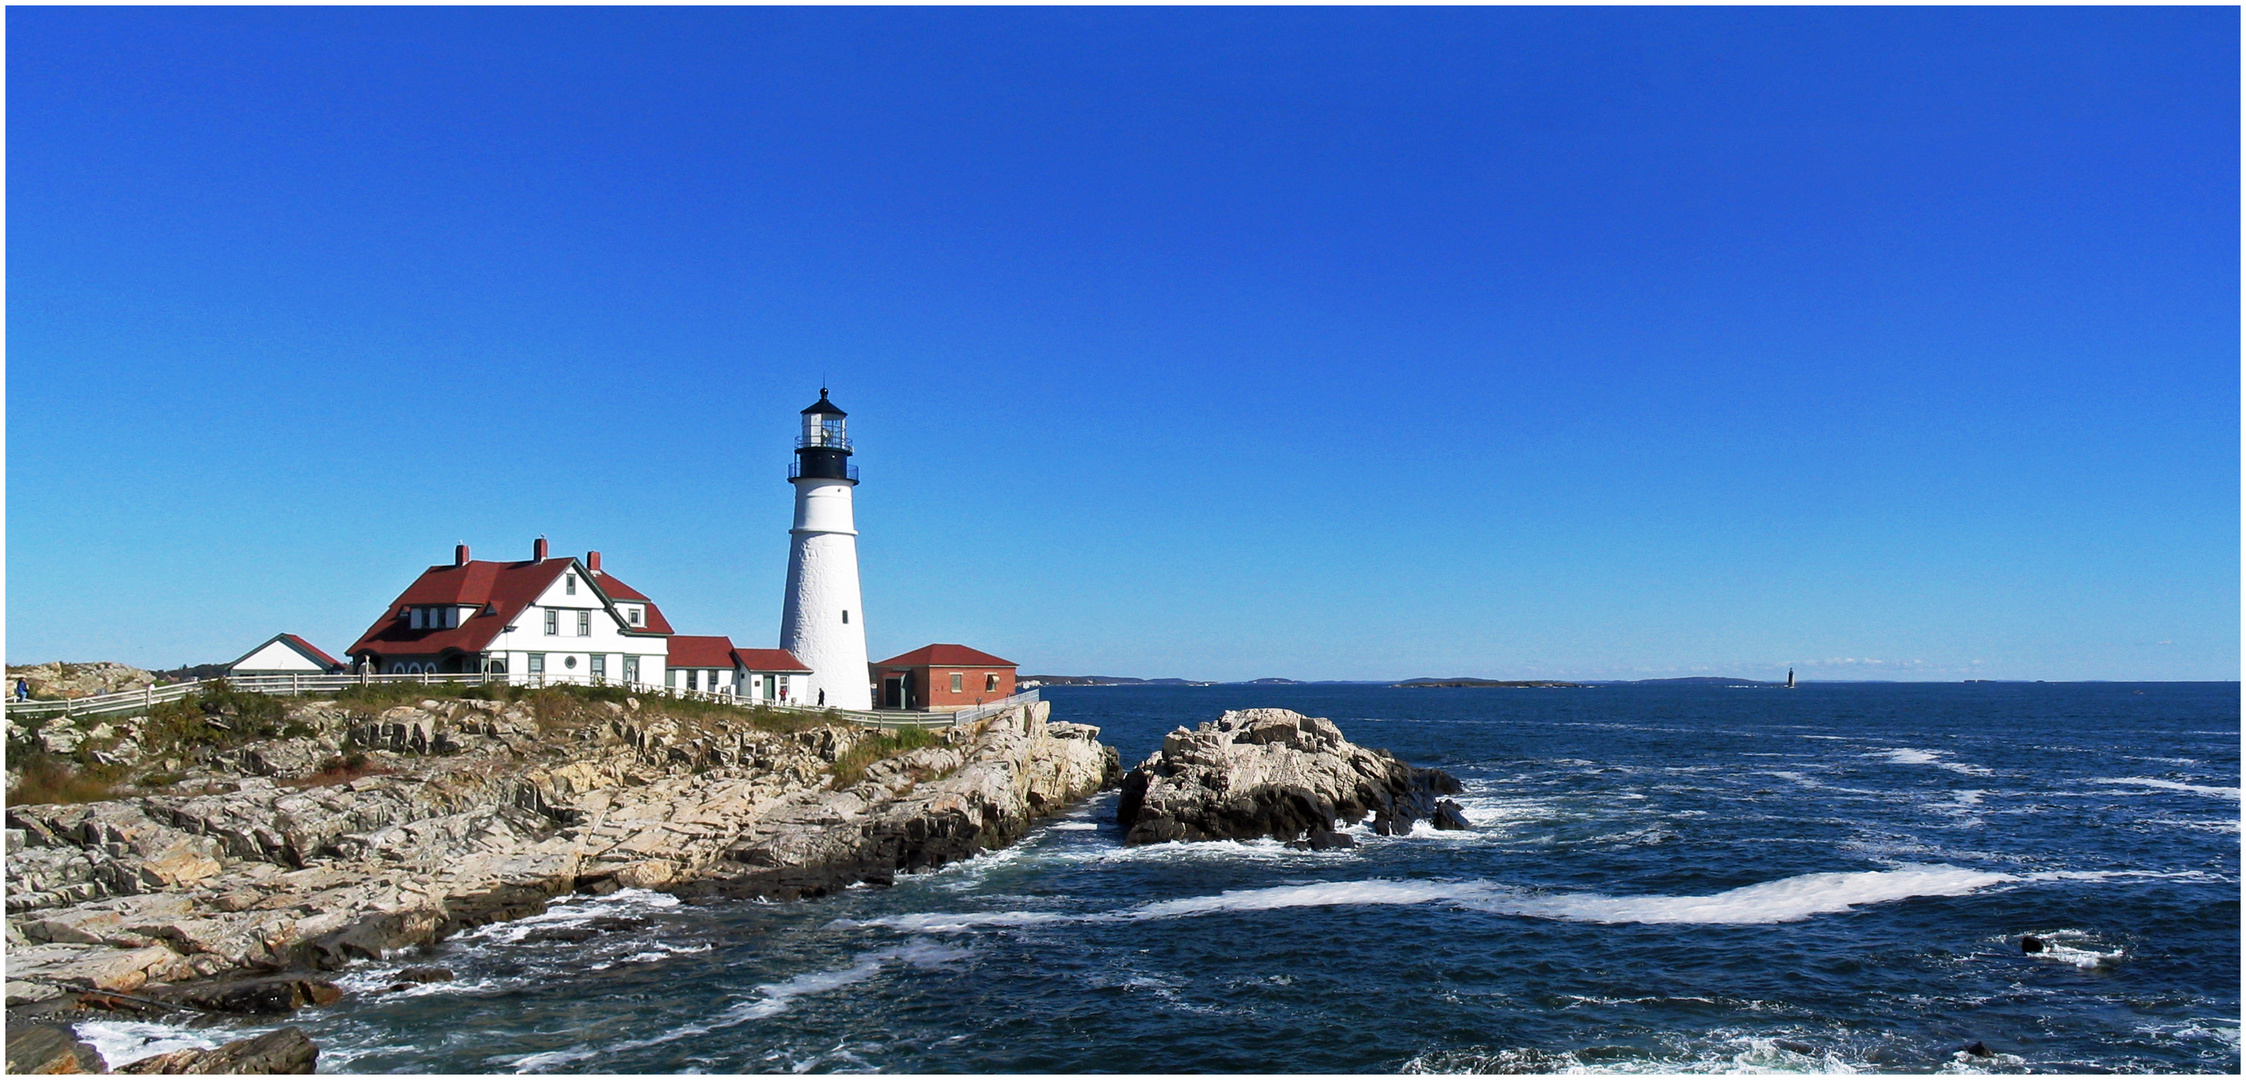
(631, 670)
(893, 692)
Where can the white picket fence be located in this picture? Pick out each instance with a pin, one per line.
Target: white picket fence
(297, 685)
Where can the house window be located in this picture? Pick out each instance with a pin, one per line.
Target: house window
(990, 682)
(538, 663)
(569, 662)
(600, 665)
(631, 669)
(569, 584)
(553, 622)
(955, 677)
(585, 623)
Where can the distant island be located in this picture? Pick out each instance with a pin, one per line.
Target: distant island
(1707, 680)
(1510, 683)
(1101, 680)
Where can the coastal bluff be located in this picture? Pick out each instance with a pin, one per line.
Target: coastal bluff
(1277, 774)
(356, 832)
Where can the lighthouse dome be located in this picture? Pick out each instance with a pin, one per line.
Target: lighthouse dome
(823, 406)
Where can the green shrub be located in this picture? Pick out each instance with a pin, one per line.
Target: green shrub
(850, 768)
(216, 716)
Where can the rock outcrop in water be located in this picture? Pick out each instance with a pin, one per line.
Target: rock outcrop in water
(287, 1050)
(281, 856)
(1274, 773)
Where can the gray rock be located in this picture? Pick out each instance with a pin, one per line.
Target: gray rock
(287, 1050)
(1272, 773)
(255, 875)
(1450, 815)
(49, 1048)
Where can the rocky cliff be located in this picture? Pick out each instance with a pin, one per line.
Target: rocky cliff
(59, 680)
(354, 831)
(1275, 773)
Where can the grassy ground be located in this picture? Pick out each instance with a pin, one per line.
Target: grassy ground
(221, 718)
(851, 766)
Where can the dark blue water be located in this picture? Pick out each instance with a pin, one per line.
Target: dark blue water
(1660, 879)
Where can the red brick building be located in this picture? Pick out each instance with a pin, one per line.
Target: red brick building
(941, 678)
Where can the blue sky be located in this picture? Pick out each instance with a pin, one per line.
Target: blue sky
(1328, 343)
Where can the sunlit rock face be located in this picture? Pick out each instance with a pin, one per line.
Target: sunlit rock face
(1272, 773)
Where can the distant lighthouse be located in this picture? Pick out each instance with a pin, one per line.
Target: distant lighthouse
(821, 622)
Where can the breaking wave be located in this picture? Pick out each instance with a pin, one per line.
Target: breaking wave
(1785, 900)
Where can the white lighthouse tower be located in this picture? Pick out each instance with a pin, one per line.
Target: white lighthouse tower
(821, 622)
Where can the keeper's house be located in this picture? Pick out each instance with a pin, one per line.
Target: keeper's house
(942, 678)
(565, 620)
(712, 664)
(285, 654)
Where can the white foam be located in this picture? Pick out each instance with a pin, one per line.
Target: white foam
(955, 922)
(574, 912)
(1719, 1051)
(1905, 755)
(2173, 785)
(122, 1041)
(1785, 900)
(1074, 826)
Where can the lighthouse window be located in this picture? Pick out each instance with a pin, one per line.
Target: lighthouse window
(845, 616)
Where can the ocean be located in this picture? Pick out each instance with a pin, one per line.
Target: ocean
(1660, 878)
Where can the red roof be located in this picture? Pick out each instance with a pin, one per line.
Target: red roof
(501, 589)
(312, 651)
(774, 660)
(615, 589)
(701, 651)
(946, 656)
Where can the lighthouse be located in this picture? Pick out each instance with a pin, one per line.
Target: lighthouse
(821, 621)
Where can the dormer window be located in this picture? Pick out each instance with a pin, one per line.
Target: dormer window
(637, 615)
(414, 616)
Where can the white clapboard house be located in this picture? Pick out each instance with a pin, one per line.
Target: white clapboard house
(561, 618)
(713, 664)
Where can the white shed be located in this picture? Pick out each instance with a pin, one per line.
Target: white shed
(285, 654)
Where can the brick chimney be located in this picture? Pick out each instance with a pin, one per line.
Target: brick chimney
(538, 550)
(460, 555)
(592, 561)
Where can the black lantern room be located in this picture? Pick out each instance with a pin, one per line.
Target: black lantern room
(822, 451)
